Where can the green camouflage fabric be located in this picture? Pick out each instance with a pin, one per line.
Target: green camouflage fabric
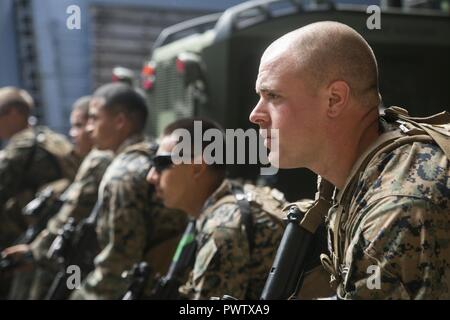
(79, 199)
(399, 227)
(223, 263)
(130, 222)
(19, 181)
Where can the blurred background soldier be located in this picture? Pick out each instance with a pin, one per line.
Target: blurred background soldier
(130, 223)
(237, 225)
(32, 158)
(78, 200)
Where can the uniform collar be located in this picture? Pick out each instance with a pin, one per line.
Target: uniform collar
(21, 134)
(129, 142)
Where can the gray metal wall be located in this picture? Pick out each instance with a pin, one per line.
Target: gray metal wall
(124, 36)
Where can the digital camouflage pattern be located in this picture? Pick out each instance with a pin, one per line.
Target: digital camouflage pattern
(399, 221)
(130, 222)
(223, 263)
(22, 174)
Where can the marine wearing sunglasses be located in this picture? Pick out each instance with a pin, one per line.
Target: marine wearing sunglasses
(162, 162)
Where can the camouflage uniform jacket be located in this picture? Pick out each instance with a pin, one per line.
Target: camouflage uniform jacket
(223, 263)
(27, 164)
(79, 199)
(398, 226)
(130, 222)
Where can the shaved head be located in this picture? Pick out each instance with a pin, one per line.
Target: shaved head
(318, 89)
(328, 51)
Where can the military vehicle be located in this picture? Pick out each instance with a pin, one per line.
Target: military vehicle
(208, 66)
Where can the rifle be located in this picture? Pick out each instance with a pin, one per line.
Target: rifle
(139, 275)
(41, 209)
(296, 247)
(7, 264)
(300, 246)
(166, 287)
(288, 267)
(75, 245)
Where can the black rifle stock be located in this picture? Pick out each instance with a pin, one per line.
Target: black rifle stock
(74, 246)
(139, 275)
(286, 273)
(290, 260)
(302, 239)
(42, 210)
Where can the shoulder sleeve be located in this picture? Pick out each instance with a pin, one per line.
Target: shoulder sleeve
(400, 250)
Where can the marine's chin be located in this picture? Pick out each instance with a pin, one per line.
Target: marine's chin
(274, 159)
(281, 162)
(169, 204)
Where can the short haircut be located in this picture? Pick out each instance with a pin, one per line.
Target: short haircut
(120, 97)
(15, 98)
(188, 124)
(82, 105)
(338, 52)
(327, 51)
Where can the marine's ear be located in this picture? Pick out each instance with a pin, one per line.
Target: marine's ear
(338, 96)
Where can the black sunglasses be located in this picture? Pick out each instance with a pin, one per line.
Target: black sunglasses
(162, 162)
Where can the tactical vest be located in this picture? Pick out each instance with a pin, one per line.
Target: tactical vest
(250, 199)
(434, 129)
